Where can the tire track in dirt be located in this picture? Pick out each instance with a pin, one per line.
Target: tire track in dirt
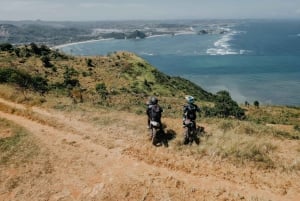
(99, 173)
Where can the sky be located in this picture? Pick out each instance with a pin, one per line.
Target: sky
(93, 10)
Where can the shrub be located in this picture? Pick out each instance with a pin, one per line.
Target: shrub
(6, 47)
(224, 107)
(89, 62)
(69, 80)
(35, 49)
(256, 104)
(23, 80)
(46, 61)
(39, 84)
(102, 90)
(42, 50)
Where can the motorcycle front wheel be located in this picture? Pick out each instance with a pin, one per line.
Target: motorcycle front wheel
(153, 140)
(186, 136)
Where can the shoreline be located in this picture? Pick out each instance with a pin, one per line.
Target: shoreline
(107, 39)
(80, 42)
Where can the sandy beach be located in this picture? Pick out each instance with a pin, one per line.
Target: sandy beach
(81, 42)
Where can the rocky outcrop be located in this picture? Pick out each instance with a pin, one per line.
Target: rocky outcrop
(136, 35)
(212, 31)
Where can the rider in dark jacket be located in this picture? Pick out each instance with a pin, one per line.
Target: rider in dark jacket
(190, 109)
(153, 111)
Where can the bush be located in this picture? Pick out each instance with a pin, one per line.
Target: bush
(102, 90)
(23, 80)
(89, 62)
(46, 61)
(39, 84)
(6, 47)
(224, 107)
(35, 49)
(42, 50)
(69, 80)
(256, 104)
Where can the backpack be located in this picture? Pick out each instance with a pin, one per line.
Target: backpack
(191, 112)
(155, 113)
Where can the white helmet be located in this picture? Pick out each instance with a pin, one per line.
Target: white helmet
(190, 99)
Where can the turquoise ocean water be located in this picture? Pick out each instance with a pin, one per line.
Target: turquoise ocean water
(254, 60)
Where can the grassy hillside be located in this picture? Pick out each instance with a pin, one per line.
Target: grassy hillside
(119, 81)
(89, 114)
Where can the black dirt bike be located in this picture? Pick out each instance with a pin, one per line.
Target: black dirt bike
(191, 132)
(156, 129)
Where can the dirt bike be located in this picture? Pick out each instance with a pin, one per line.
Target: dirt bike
(156, 128)
(191, 132)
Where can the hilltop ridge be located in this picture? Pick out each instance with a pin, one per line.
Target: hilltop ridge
(74, 128)
(120, 79)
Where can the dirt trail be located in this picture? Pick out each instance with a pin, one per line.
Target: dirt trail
(104, 160)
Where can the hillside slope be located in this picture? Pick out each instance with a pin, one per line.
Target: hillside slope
(73, 128)
(107, 156)
(119, 80)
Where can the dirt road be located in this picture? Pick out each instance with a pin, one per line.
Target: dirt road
(107, 156)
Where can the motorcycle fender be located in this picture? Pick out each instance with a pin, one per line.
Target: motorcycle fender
(154, 123)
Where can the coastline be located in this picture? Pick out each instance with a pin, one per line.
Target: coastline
(80, 42)
(106, 39)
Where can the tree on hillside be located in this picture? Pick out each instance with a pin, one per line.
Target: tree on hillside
(44, 50)
(102, 90)
(256, 104)
(46, 61)
(35, 49)
(224, 107)
(23, 80)
(70, 78)
(39, 84)
(6, 47)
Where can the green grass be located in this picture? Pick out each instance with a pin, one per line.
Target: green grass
(287, 135)
(274, 115)
(17, 147)
(238, 141)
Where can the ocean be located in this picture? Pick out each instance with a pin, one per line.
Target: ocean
(253, 60)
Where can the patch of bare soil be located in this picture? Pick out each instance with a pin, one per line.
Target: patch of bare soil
(5, 133)
(107, 156)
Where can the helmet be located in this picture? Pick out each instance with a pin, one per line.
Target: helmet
(190, 99)
(153, 100)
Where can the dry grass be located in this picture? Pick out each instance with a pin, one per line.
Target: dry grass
(224, 139)
(243, 143)
(18, 147)
(125, 73)
(274, 115)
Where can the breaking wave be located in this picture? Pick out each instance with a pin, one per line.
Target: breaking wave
(223, 47)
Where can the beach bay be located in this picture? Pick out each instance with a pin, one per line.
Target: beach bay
(254, 60)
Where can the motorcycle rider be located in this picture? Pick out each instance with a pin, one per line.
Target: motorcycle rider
(153, 111)
(190, 109)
